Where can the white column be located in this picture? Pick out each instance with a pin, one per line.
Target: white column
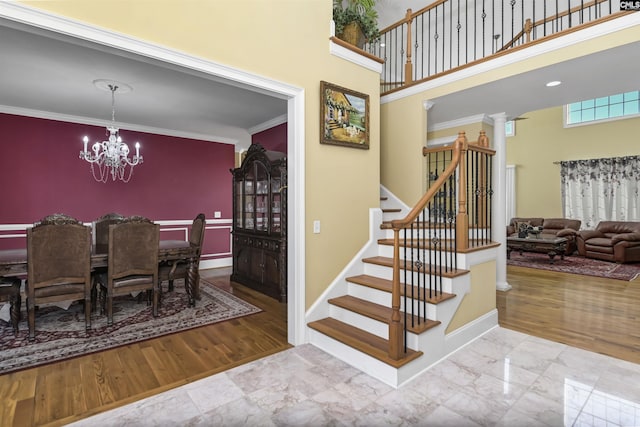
(498, 209)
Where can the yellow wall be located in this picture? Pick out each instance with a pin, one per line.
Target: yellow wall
(287, 41)
(481, 298)
(403, 130)
(542, 140)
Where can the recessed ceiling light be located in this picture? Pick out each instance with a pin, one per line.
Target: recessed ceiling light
(554, 83)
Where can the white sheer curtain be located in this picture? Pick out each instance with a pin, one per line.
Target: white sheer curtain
(511, 193)
(601, 189)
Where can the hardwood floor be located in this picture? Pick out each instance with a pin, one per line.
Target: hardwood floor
(592, 313)
(63, 392)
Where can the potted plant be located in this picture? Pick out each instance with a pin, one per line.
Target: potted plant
(357, 22)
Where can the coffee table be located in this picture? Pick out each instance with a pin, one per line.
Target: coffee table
(553, 247)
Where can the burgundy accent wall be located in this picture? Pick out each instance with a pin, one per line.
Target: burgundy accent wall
(274, 139)
(41, 174)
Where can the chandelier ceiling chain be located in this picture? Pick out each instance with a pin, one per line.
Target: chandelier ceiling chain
(111, 157)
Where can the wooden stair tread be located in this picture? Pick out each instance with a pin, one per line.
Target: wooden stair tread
(381, 313)
(386, 225)
(446, 245)
(383, 198)
(386, 286)
(388, 262)
(389, 210)
(362, 340)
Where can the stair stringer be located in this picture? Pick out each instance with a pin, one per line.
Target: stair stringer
(320, 308)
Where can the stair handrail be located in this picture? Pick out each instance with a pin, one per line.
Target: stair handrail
(396, 329)
(529, 26)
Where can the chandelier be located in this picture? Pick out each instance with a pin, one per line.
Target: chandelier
(111, 157)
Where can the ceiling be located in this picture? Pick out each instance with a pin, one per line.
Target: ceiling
(587, 77)
(53, 74)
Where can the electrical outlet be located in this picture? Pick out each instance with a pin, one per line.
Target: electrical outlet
(316, 227)
(217, 214)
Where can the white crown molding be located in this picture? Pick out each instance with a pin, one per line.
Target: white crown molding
(268, 124)
(123, 126)
(603, 29)
(478, 118)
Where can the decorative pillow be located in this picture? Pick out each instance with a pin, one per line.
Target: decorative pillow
(522, 228)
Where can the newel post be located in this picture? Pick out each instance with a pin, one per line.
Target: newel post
(396, 349)
(408, 66)
(528, 26)
(462, 218)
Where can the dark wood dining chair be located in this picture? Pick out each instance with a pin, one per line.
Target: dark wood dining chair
(10, 292)
(133, 262)
(178, 269)
(100, 241)
(58, 264)
(100, 228)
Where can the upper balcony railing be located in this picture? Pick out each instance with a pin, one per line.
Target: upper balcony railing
(449, 34)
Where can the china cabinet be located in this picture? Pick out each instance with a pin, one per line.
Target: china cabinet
(260, 222)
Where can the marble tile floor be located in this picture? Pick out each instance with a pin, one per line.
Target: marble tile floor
(504, 378)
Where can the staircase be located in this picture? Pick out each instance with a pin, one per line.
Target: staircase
(353, 318)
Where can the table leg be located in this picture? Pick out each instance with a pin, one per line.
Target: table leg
(192, 285)
(552, 254)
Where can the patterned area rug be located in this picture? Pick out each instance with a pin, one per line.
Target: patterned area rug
(60, 334)
(576, 265)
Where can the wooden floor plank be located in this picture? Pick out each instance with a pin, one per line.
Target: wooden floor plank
(592, 313)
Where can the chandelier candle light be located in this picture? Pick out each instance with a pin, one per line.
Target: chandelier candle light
(111, 157)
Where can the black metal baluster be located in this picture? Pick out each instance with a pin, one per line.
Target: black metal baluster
(466, 31)
(484, 35)
(429, 43)
(435, 44)
(458, 26)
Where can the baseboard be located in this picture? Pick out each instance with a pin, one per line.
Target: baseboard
(215, 263)
(471, 331)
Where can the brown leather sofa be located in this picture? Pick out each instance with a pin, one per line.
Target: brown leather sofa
(551, 227)
(617, 241)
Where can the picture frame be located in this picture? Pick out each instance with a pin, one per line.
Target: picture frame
(344, 116)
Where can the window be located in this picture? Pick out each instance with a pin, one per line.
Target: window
(510, 128)
(605, 108)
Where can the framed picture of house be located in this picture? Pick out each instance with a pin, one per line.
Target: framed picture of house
(344, 116)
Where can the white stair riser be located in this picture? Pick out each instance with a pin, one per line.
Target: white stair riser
(384, 298)
(365, 323)
(432, 257)
(377, 369)
(387, 273)
(421, 233)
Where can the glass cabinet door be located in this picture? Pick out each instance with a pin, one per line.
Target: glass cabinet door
(276, 205)
(262, 198)
(238, 203)
(249, 200)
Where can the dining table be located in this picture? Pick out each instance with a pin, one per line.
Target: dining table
(13, 262)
